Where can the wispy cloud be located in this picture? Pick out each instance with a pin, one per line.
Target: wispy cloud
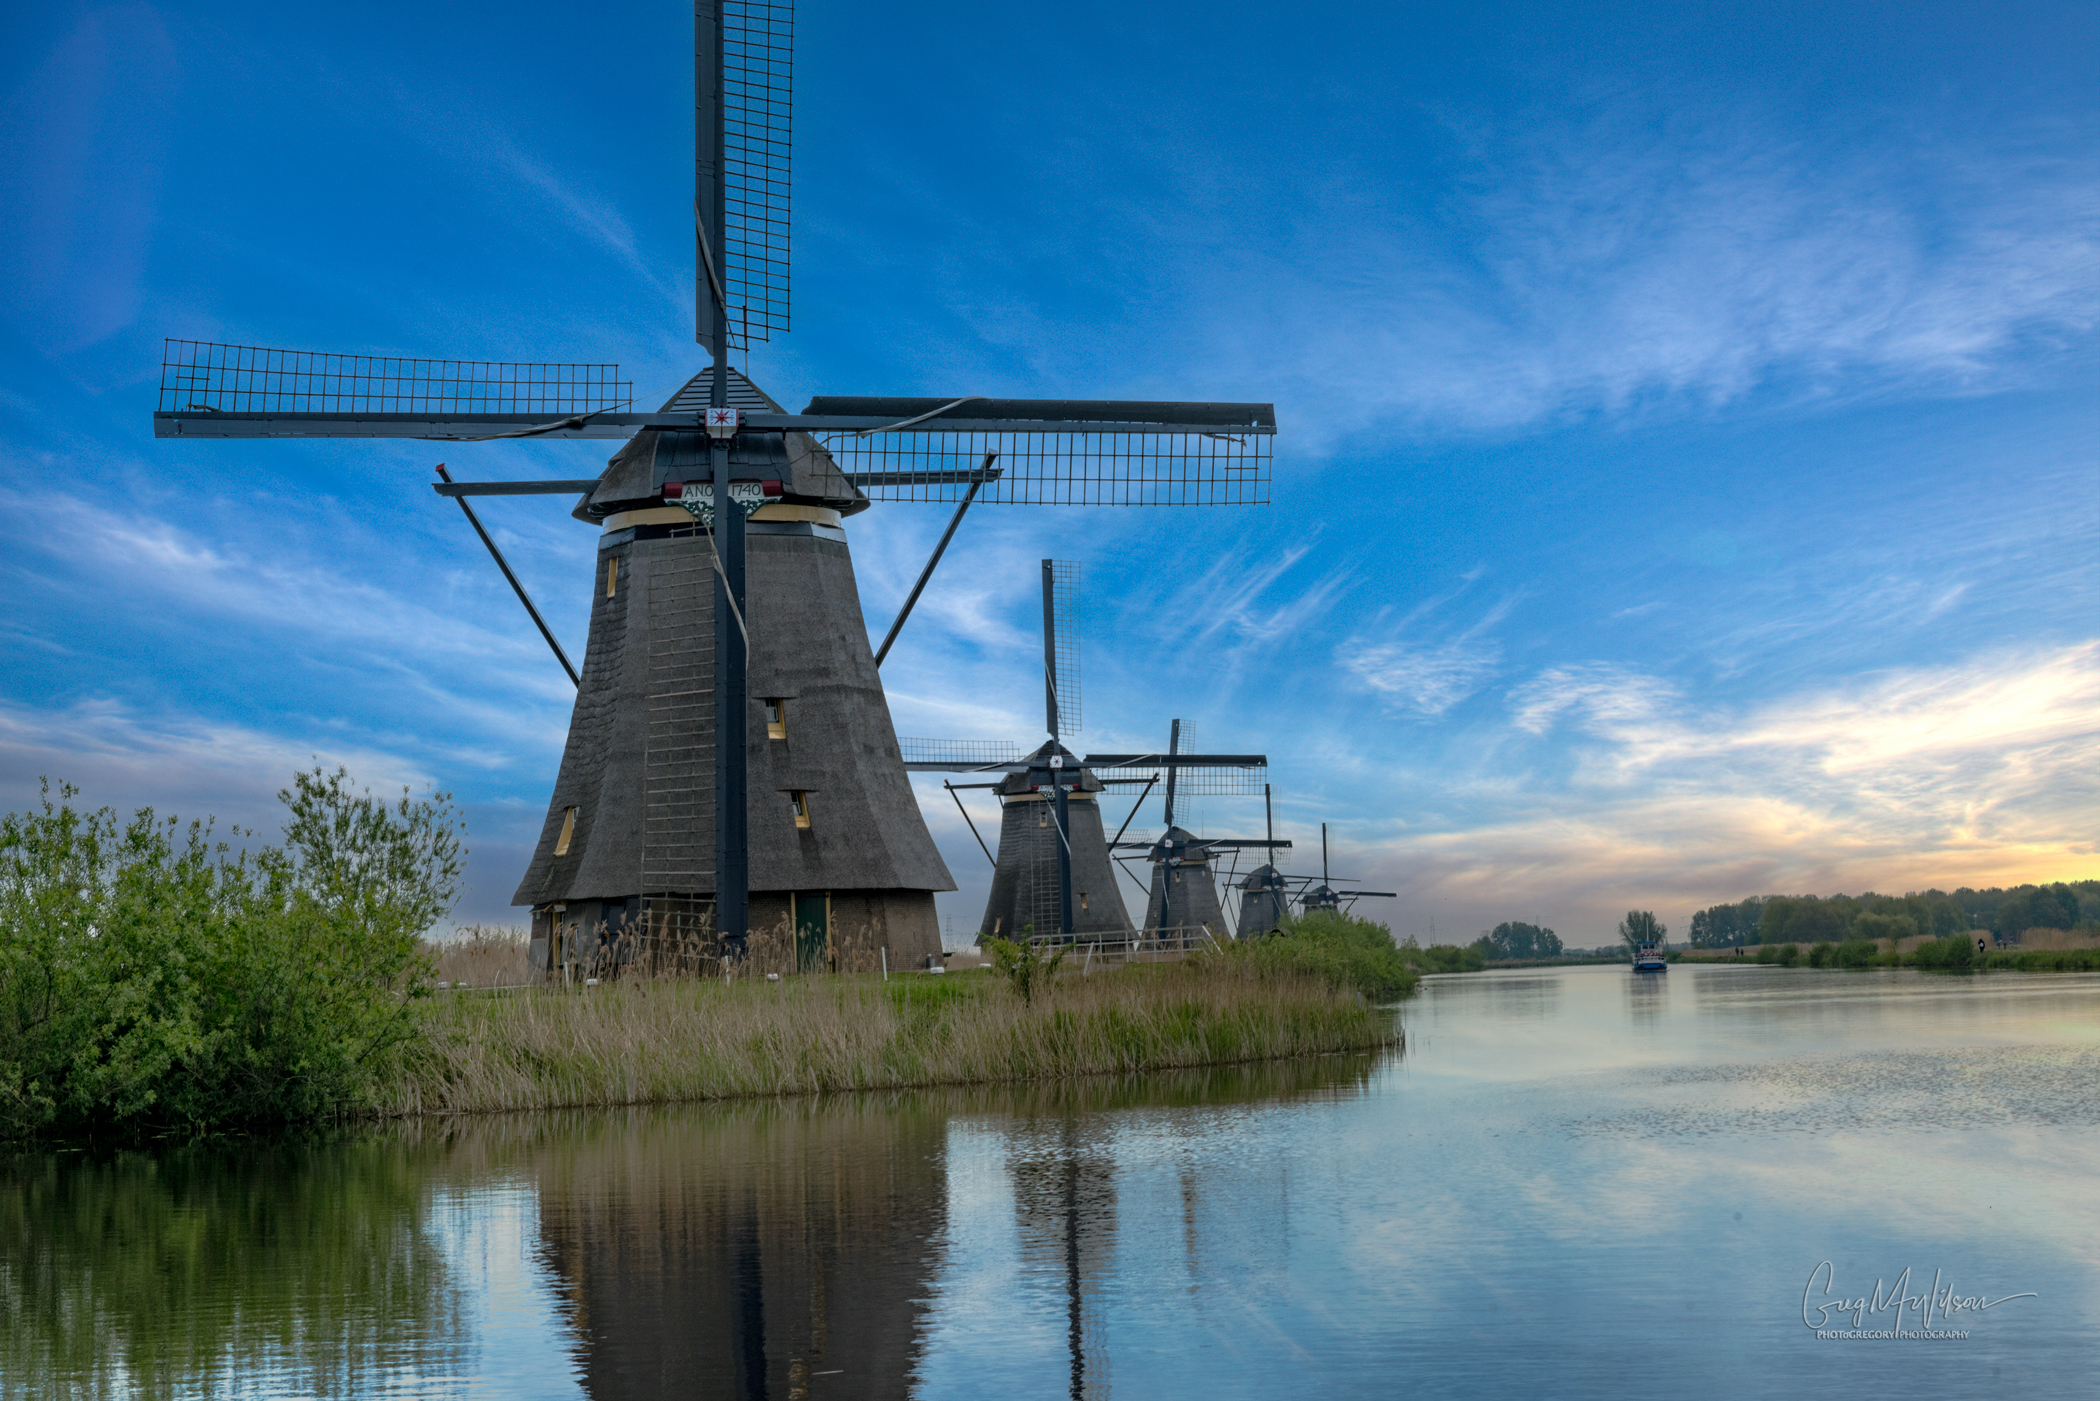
(1424, 665)
(1639, 264)
(1985, 772)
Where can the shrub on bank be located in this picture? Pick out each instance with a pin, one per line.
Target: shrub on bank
(1951, 955)
(153, 979)
(1346, 951)
(1446, 958)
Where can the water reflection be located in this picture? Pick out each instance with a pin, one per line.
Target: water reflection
(755, 1250)
(134, 1273)
(1572, 1185)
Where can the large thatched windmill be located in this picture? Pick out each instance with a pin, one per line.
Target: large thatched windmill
(731, 757)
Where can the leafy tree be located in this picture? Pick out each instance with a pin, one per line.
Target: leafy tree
(151, 978)
(1884, 926)
(1641, 927)
(2036, 907)
(1513, 939)
(1026, 965)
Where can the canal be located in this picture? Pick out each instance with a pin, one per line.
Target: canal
(1572, 1182)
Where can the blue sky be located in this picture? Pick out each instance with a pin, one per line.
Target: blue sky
(1687, 486)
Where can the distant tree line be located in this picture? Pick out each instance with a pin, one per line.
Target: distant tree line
(1515, 939)
(1812, 919)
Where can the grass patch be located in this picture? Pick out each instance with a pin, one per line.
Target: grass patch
(644, 1042)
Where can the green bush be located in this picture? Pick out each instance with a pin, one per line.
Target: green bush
(1025, 964)
(1347, 950)
(1819, 955)
(153, 980)
(1854, 953)
(2042, 960)
(1767, 953)
(1789, 955)
(1953, 954)
(1446, 958)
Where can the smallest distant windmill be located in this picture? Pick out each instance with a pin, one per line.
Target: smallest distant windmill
(1324, 897)
(1052, 872)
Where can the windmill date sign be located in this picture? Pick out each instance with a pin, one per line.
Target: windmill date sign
(731, 759)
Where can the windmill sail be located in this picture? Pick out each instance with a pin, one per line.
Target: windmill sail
(742, 127)
(1061, 714)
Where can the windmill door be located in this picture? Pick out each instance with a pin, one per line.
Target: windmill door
(812, 931)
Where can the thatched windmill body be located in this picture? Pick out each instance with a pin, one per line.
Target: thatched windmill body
(731, 758)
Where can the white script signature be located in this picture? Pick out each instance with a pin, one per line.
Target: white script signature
(1940, 1301)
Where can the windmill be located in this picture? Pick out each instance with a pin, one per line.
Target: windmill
(1183, 896)
(1053, 868)
(731, 757)
(1265, 893)
(1325, 898)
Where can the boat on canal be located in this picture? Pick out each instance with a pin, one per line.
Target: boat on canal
(1648, 958)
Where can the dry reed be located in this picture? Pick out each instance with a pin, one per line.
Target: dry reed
(648, 1041)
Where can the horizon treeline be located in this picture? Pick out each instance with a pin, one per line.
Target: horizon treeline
(2006, 912)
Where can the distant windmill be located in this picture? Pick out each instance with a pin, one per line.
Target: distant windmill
(1265, 894)
(1052, 873)
(694, 689)
(1324, 897)
(1183, 895)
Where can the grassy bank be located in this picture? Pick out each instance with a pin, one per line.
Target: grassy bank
(648, 1042)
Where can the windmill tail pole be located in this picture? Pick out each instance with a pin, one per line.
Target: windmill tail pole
(973, 826)
(523, 597)
(927, 572)
(1133, 811)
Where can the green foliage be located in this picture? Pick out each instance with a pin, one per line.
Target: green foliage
(1026, 965)
(1513, 939)
(2036, 907)
(1725, 926)
(1446, 958)
(1950, 955)
(1641, 927)
(151, 979)
(1854, 953)
(1884, 926)
(2040, 960)
(1348, 951)
(1806, 920)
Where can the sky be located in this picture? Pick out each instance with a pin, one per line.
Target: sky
(1686, 484)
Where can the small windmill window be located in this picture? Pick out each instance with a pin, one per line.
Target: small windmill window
(798, 803)
(568, 832)
(612, 575)
(777, 719)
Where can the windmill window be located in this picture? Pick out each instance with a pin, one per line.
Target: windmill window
(799, 803)
(568, 832)
(1082, 902)
(776, 717)
(612, 575)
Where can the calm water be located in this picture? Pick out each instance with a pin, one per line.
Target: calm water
(1573, 1183)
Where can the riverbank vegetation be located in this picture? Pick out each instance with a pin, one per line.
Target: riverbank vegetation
(154, 978)
(1957, 954)
(1346, 951)
(653, 1041)
(2007, 914)
(157, 981)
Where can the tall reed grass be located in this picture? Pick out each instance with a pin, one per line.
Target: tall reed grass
(646, 1041)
